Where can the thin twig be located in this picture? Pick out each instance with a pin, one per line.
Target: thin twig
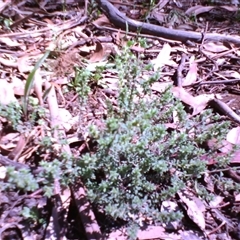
(224, 109)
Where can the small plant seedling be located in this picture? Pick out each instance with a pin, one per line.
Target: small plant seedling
(30, 82)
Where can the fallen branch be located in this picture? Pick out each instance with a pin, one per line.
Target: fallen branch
(119, 20)
(225, 109)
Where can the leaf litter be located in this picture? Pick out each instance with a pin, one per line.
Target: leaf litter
(25, 41)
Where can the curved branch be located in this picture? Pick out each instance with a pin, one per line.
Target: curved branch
(119, 20)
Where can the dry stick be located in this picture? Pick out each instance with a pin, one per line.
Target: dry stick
(7, 162)
(220, 217)
(17, 151)
(229, 81)
(222, 54)
(234, 175)
(202, 52)
(56, 215)
(21, 20)
(123, 22)
(90, 223)
(86, 215)
(224, 81)
(178, 76)
(86, 8)
(225, 109)
(217, 228)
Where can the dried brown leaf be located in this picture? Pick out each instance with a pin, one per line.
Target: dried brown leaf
(195, 208)
(84, 211)
(224, 146)
(23, 64)
(6, 92)
(163, 57)
(62, 80)
(17, 151)
(3, 4)
(198, 103)
(27, 153)
(3, 172)
(10, 42)
(65, 118)
(230, 74)
(99, 54)
(9, 141)
(149, 232)
(192, 73)
(8, 63)
(161, 4)
(186, 27)
(236, 157)
(196, 10)
(159, 16)
(138, 49)
(216, 201)
(215, 47)
(87, 49)
(18, 86)
(237, 198)
(233, 135)
(152, 232)
(101, 21)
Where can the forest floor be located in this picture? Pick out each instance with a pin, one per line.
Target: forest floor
(59, 67)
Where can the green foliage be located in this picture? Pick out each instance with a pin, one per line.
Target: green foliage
(32, 214)
(12, 112)
(64, 169)
(30, 82)
(21, 179)
(80, 83)
(37, 114)
(139, 162)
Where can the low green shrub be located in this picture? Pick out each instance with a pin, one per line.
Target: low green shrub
(139, 161)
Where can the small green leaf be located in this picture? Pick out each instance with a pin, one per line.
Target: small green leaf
(30, 81)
